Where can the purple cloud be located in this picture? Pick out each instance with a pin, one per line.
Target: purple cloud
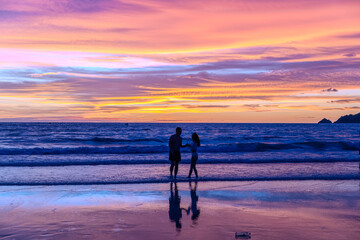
(330, 90)
(349, 100)
(351, 35)
(93, 6)
(349, 55)
(10, 15)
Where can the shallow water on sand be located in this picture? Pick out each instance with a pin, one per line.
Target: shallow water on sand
(206, 210)
(159, 173)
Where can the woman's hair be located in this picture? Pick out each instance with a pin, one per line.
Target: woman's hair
(196, 138)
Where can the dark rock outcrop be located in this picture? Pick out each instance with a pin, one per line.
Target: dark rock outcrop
(324, 120)
(349, 119)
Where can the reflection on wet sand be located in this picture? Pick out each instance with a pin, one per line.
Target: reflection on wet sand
(194, 199)
(175, 209)
(279, 210)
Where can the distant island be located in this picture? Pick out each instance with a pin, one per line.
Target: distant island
(344, 119)
(349, 119)
(325, 120)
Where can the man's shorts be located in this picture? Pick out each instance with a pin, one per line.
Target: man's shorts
(175, 156)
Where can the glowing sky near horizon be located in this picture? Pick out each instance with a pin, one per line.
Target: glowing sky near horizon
(179, 61)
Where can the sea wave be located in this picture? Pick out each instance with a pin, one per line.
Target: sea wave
(96, 162)
(167, 180)
(101, 140)
(149, 149)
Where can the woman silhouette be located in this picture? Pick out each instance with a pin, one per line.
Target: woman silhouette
(194, 155)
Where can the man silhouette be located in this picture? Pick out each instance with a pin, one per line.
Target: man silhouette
(175, 143)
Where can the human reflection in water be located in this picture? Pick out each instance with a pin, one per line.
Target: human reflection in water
(175, 211)
(194, 199)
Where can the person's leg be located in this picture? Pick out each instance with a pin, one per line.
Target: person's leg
(172, 168)
(177, 159)
(193, 161)
(195, 170)
(190, 171)
(176, 169)
(171, 158)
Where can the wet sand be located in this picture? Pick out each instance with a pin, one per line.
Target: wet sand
(208, 210)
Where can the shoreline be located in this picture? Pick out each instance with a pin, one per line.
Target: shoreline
(159, 173)
(186, 180)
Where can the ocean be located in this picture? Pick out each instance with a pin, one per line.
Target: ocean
(115, 153)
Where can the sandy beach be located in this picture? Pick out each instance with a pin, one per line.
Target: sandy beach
(212, 210)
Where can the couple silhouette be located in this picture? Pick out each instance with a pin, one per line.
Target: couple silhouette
(175, 143)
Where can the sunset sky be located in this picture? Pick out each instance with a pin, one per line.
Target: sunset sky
(179, 61)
